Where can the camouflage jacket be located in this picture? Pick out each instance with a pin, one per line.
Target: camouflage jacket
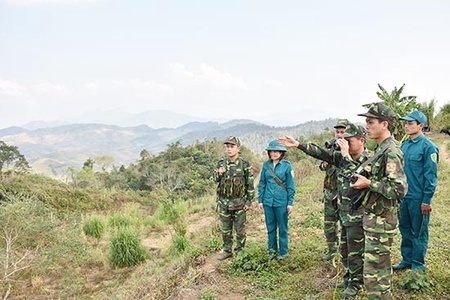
(235, 187)
(388, 185)
(330, 180)
(346, 166)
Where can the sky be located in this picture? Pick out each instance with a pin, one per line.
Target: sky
(278, 62)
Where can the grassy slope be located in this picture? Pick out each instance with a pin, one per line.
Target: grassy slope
(303, 275)
(77, 267)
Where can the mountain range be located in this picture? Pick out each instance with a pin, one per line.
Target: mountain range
(51, 148)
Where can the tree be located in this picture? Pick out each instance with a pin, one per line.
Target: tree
(442, 119)
(428, 108)
(89, 164)
(11, 158)
(402, 106)
(106, 162)
(145, 154)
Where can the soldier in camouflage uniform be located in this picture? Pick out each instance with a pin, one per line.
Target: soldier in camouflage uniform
(351, 155)
(330, 205)
(386, 184)
(235, 193)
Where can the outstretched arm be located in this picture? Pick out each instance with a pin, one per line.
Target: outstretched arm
(288, 141)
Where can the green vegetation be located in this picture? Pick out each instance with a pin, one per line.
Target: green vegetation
(94, 226)
(150, 231)
(12, 159)
(126, 249)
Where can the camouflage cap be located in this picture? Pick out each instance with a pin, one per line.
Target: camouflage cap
(354, 130)
(233, 140)
(381, 111)
(342, 123)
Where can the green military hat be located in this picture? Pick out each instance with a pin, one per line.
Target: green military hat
(341, 123)
(381, 111)
(275, 146)
(416, 116)
(354, 130)
(233, 140)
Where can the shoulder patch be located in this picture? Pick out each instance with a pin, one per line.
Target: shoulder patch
(391, 167)
(433, 157)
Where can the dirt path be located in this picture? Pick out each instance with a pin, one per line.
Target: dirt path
(161, 240)
(443, 152)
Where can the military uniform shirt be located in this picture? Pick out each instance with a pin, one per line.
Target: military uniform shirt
(421, 161)
(345, 166)
(388, 185)
(270, 193)
(235, 188)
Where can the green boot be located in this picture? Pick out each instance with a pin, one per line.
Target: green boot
(224, 255)
(351, 291)
(329, 255)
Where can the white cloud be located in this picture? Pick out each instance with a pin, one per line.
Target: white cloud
(208, 76)
(43, 2)
(142, 85)
(10, 88)
(91, 86)
(274, 83)
(47, 88)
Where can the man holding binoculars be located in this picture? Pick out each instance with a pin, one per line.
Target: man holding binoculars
(351, 155)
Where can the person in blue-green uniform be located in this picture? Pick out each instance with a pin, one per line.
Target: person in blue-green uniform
(235, 192)
(421, 159)
(276, 192)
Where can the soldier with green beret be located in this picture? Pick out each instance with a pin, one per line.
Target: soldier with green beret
(235, 192)
(386, 184)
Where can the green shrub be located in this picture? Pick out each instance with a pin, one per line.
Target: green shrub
(253, 259)
(29, 221)
(313, 220)
(181, 243)
(119, 220)
(214, 243)
(94, 226)
(208, 294)
(126, 248)
(416, 281)
(180, 228)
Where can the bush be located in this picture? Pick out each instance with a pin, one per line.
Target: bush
(119, 220)
(126, 249)
(416, 281)
(94, 226)
(181, 243)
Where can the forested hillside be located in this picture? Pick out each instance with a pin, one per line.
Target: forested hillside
(149, 231)
(52, 151)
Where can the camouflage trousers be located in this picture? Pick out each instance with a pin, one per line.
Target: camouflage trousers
(330, 219)
(351, 247)
(232, 219)
(377, 265)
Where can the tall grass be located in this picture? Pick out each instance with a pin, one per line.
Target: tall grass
(126, 248)
(64, 264)
(94, 226)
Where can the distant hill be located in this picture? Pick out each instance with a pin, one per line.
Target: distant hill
(52, 150)
(12, 130)
(153, 118)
